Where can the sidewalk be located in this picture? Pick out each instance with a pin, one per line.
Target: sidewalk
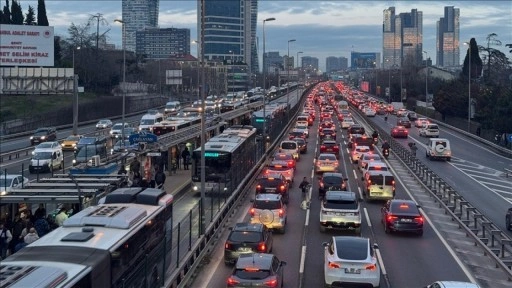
(178, 183)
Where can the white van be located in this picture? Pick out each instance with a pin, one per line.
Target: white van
(439, 148)
(290, 146)
(172, 107)
(46, 159)
(149, 120)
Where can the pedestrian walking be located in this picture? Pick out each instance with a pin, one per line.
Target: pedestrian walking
(62, 216)
(185, 155)
(414, 148)
(159, 178)
(5, 239)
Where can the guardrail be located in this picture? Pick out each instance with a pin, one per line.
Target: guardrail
(491, 239)
(508, 172)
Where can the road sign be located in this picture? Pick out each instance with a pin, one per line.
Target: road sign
(143, 136)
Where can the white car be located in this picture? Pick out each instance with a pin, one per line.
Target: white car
(356, 153)
(118, 128)
(350, 259)
(48, 145)
(452, 284)
(429, 130)
(103, 124)
(369, 112)
(347, 122)
(420, 122)
(9, 182)
(303, 128)
(340, 210)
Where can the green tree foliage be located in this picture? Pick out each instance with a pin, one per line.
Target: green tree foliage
(57, 51)
(30, 18)
(476, 61)
(6, 19)
(449, 100)
(16, 13)
(42, 19)
(503, 109)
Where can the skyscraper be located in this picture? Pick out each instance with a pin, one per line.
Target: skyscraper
(230, 30)
(447, 44)
(138, 15)
(333, 63)
(402, 38)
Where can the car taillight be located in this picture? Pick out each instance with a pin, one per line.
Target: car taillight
(281, 187)
(334, 265)
(391, 218)
(258, 187)
(369, 182)
(271, 283)
(227, 246)
(321, 184)
(336, 147)
(393, 182)
(322, 146)
(419, 219)
(262, 247)
(290, 163)
(281, 212)
(252, 211)
(231, 281)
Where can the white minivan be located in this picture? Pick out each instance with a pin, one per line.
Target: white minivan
(149, 120)
(172, 107)
(291, 147)
(46, 159)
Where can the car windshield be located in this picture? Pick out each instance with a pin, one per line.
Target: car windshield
(45, 145)
(40, 133)
(87, 151)
(289, 145)
(352, 249)
(6, 182)
(245, 236)
(42, 155)
(269, 182)
(402, 207)
(251, 274)
(147, 121)
(369, 157)
(103, 122)
(382, 180)
(267, 205)
(73, 138)
(118, 126)
(340, 204)
(283, 157)
(300, 141)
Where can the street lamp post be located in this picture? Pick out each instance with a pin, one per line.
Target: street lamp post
(426, 77)
(264, 87)
(232, 71)
(298, 76)
(75, 95)
(469, 86)
(389, 84)
(124, 77)
(288, 80)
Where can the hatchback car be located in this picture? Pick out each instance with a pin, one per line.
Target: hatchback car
(70, 142)
(420, 122)
(340, 210)
(356, 129)
(11, 181)
(296, 133)
(290, 146)
(331, 181)
(287, 157)
(429, 130)
(43, 135)
(350, 260)
(269, 210)
(257, 270)
(326, 162)
(247, 238)
(403, 122)
(399, 131)
(273, 181)
(402, 215)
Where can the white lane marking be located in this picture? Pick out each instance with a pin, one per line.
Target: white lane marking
(474, 143)
(381, 263)
(306, 222)
(360, 193)
(368, 222)
(302, 259)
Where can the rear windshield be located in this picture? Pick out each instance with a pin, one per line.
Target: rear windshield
(269, 182)
(341, 204)
(332, 180)
(245, 236)
(267, 205)
(433, 127)
(289, 145)
(382, 180)
(363, 141)
(352, 250)
(252, 274)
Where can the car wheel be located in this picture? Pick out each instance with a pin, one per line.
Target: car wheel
(448, 159)
(420, 233)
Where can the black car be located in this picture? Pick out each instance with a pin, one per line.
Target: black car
(412, 116)
(403, 122)
(508, 219)
(402, 215)
(331, 181)
(43, 135)
(257, 270)
(274, 183)
(247, 238)
(328, 133)
(355, 129)
(303, 145)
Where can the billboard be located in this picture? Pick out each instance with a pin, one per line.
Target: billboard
(363, 60)
(26, 45)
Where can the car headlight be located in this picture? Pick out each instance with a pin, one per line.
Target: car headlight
(31, 137)
(74, 161)
(4, 192)
(74, 144)
(111, 132)
(33, 152)
(43, 137)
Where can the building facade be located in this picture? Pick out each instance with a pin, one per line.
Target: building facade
(138, 15)
(333, 63)
(309, 63)
(162, 43)
(402, 38)
(364, 60)
(230, 31)
(447, 43)
(271, 61)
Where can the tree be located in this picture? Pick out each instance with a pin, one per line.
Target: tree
(476, 61)
(509, 46)
(16, 13)
(79, 35)
(30, 18)
(6, 19)
(99, 20)
(450, 101)
(491, 40)
(42, 19)
(57, 51)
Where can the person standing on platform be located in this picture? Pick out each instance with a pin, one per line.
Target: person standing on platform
(185, 155)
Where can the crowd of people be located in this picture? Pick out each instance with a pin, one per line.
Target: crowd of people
(27, 227)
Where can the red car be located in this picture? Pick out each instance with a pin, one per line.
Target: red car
(399, 131)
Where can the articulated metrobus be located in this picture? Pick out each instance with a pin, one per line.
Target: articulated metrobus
(121, 242)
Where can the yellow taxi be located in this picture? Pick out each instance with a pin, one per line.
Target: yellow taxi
(70, 142)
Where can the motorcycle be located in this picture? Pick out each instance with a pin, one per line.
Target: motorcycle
(375, 140)
(385, 152)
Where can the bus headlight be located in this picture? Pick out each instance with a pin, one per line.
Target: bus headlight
(195, 188)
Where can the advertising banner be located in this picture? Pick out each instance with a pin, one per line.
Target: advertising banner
(26, 45)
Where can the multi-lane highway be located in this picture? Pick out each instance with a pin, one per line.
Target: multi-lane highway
(406, 260)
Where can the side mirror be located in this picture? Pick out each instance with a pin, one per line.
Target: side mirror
(283, 263)
(375, 246)
(419, 206)
(325, 244)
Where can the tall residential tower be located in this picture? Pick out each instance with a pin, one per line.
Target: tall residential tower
(447, 44)
(138, 15)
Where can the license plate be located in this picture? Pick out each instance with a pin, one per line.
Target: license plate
(340, 214)
(244, 249)
(352, 271)
(405, 220)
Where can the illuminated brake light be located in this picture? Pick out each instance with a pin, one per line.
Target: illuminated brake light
(322, 147)
(232, 281)
(258, 187)
(419, 219)
(262, 247)
(281, 187)
(281, 212)
(227, 246)
(271, 283)
(252, 211)
(404, 206)
(390, 218)
(334, 265)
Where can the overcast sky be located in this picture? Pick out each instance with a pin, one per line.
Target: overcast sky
(321, 28)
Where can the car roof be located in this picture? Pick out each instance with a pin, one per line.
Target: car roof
(254, 260)
(247, 226)
(340, 195)
(379, 172)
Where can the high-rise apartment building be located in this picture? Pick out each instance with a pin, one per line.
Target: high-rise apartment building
(230, 30)
(402, 38)
(447, 44)
(309, 63)
(333, 63)
(138, 15)
(162, 43)
(273, 61)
